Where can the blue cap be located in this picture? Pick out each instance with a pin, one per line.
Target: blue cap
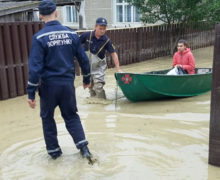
(47, 7)
(101, 21)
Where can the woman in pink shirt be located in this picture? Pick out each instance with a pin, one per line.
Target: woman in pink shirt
(184, 58)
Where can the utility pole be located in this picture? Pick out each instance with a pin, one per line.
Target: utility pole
(214, 136)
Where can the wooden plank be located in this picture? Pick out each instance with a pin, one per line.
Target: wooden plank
(162, 37)
(17, 60)
(30, 33)
(139, 42)
(214, 138)
(154, 41)
(36, 27)
(164, 40)
(9, 60)
(119, 42)
(122, 42)
(142, 44)
(150, 42)
(125, 47)
(145, 43)
(134, 46)
(41, 25)
(24, 52)
(134, 40)
(158, 42)
(4, 90)
(167, 41)
(129, 34)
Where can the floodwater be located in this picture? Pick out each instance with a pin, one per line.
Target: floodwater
(154, 140)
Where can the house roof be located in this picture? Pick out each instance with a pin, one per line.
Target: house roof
(15, 7)
(11, 7)
(66, 2)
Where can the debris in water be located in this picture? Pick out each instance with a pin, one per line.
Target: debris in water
(92, 160)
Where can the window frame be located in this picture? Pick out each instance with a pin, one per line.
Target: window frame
(116, 23)
(72, 24)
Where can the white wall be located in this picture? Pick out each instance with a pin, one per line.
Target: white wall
(98, 8)
(91, 10)
(62, 17)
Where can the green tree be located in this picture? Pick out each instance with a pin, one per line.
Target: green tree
(171, 11)
(212, 11)
(184, 12)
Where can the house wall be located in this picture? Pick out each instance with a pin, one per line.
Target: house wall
(60, 14)
(91, 10)
(62, 18)
(98, 8)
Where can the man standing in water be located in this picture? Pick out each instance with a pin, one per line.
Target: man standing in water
(52, 62)
(96, 43)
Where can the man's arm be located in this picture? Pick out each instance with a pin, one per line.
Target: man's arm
(116, 61)
(111, 49)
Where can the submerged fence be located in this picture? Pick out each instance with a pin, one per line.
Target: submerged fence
(132, 45)
(140, 44)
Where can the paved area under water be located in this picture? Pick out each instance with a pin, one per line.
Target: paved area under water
(154, 140)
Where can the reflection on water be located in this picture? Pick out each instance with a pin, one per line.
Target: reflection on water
(147, 140)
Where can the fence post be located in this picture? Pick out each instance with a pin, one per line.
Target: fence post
(9, 60)
(17, 60)
(4, 91)
(214, 136)
(24, 52)
(139, 44)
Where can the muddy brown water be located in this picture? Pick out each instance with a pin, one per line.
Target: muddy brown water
(151, 140)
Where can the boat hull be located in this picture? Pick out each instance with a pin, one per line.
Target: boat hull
(157, 85)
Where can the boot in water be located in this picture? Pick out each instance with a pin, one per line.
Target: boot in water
(55, 155)
(85, 152)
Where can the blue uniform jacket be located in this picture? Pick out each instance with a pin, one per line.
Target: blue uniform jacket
(52, 57)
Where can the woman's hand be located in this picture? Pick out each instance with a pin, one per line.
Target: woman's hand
(179, 65)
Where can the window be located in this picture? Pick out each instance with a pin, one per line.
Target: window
(126, 13)
(71, 14)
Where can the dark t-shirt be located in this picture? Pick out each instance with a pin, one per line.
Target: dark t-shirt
(96, 44)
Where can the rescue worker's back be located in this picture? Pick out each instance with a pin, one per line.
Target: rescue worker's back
(53, 56)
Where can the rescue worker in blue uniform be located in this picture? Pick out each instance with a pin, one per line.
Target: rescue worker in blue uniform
(96, 43)
(51, 62)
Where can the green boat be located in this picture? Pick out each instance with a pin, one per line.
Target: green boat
(158, 85)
